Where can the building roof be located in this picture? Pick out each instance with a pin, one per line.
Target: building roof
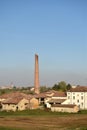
(51, 93)
(56, 101)
(14, 100)
(64, 105)
(15, 94)
(78, 89)
(59, 94)
(41, 95)
(15, 97)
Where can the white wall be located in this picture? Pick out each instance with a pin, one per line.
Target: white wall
(63, 109)
(78, 98)
(9, 107)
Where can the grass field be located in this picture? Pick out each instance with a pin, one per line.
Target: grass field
(42, 120)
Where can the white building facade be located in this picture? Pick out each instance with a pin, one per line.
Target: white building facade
(78, 96)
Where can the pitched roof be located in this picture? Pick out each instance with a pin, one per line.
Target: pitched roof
(59, 94)
(41, 95)
(15, 97)
(78, 89)
(56, 101)
(51, 93)
(14, 100)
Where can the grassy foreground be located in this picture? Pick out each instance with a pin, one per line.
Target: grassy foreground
(38, 112)
(42, 120)
(9, 128)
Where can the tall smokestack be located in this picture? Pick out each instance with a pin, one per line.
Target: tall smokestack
(37, 87)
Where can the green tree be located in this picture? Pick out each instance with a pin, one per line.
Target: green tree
(68, 87)
(56, 87)
(61, 86)
(43, 89)
(2, 92)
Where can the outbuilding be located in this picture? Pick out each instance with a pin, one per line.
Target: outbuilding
(64, 108)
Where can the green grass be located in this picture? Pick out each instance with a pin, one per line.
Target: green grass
(9, 128)
(82, 112)
(29, 117)
(37, 112)
(77, 129)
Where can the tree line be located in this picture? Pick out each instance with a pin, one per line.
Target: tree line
(62, 86)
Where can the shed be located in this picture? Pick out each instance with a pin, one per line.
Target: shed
(64, 108)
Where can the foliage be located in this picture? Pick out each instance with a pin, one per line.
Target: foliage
(14, 89)
(3, 91)
(44, 89)
(26, 90)
(61, 86)
(68, 86)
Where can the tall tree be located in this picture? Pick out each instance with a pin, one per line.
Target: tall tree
(61, 86)
(55, 87)
(68, 86)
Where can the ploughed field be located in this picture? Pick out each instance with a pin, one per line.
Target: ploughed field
(46, 121)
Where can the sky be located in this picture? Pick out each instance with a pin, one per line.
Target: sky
(56, 30)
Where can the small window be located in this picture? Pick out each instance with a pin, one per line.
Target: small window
(68, 93)
(78, 100)
(68, 97)
(82, 97)
(73, 97)
(82, 104)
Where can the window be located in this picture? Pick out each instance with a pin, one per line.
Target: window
(82, 97)
(68, 97)
(68, 93)
(82, 104)
(73, 97)
(78, 101)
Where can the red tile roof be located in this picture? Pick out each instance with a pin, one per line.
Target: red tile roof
(59, 94)
(51, 93)
(14, 98)
(56, 101)
(78, 89)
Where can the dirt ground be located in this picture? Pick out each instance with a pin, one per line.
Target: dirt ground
(66, 122)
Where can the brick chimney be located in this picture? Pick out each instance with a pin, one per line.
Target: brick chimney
(36, 80)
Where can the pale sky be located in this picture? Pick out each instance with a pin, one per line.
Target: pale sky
(54, 29)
